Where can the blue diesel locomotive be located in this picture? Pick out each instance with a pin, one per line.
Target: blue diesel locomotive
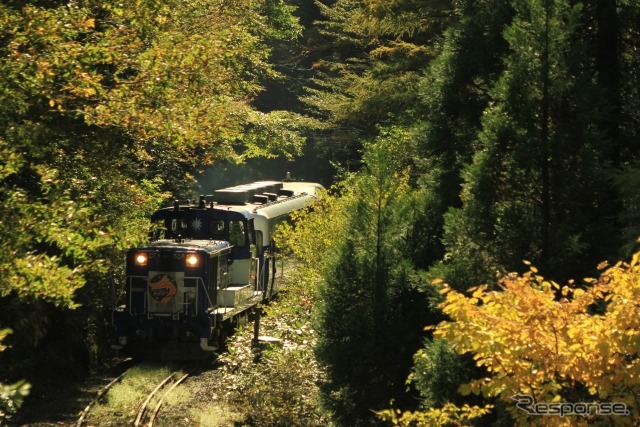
(206, 269)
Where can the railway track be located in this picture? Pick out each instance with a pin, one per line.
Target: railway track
(147, 417)
(85, 413)
(147, 411)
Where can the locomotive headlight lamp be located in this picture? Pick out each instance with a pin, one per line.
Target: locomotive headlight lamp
(141, 259)
(192, 260)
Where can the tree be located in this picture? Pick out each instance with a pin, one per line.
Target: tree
(371, 56)
(628, 39)
(370, 301)
(96, 99)
(540, 163)
(574, 343)
(453, 94)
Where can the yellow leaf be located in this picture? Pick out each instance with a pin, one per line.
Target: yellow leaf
(464, 389)
(52, 103)
(575, 347)
(603, 346)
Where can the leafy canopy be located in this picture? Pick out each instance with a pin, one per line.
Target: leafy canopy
(538, 338)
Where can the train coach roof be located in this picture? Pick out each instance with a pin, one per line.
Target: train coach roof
(311, 188)
(263, 198)
(294, 196)
(244, 194)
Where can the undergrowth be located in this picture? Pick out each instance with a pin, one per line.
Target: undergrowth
(278, 384)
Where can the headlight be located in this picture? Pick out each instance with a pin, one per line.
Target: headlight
(192, 260)
(141, 259)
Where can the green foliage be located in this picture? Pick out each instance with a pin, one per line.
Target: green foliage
(448, 415)
(437, 372)
(627, 180)
(402, 18)
(281, 391)
(11, 396)
(277, 385)
(538, 156)
(452, 97)
(103, 105)
(52, 245)
(281, 21)
(369, 299)
(367, 70)
(85, 88)
(165, 71)
(311, 239)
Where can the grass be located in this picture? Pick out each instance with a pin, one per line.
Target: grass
(124, 399)
(220, 415)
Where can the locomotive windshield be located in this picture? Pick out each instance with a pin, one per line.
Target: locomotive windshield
(201, 225)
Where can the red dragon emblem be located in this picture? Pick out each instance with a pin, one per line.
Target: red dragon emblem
(162, 287)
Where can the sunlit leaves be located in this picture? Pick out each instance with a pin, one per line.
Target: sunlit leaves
(93, 93)
(535, 340)
(11, 396)
(273, 134)
(315, 236)
(49, 243)
(181, 71)
(449, 414)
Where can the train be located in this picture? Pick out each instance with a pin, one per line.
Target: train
(207, 267)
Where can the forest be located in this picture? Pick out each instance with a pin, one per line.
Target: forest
(478, 242)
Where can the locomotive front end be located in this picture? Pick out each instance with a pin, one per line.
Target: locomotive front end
(171, 291)
(207, 269)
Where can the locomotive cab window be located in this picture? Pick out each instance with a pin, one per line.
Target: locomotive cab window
(216, 229)
(236, 233)
(178, 224)
(157, 230)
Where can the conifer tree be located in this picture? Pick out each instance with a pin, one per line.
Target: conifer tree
(539, 166)
(452, 96)
(373, 54)
(367, 323)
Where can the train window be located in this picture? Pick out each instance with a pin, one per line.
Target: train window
(236, 233)
(179, 224)
(158, 230)
(216, 229)
(252, 232)
(259, 242)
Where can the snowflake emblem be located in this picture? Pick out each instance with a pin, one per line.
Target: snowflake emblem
(196, 224)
